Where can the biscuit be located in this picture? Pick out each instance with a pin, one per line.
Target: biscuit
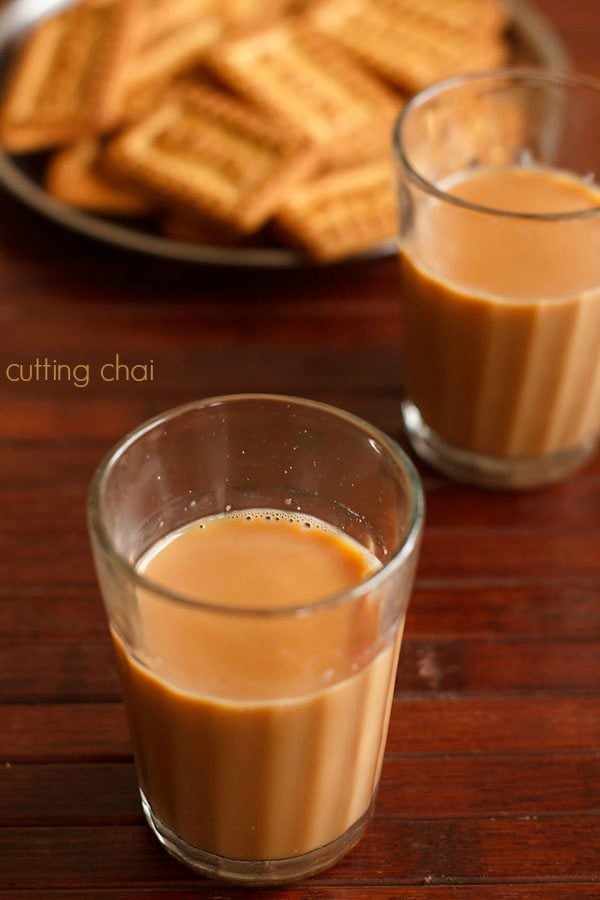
(204, 151)
(238, 114)
(241, 14)
(73, 177)
(180, 225)
(142, 98)
(68, 81)
(303, 79)
(399, 44)
(370, 143)
(481, 17)
(175, 37)
(340, 213)
(162, 17)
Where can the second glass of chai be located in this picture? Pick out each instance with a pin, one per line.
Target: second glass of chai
(499, 197)
(256, 555)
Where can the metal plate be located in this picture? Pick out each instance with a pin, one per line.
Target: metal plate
(535, 42)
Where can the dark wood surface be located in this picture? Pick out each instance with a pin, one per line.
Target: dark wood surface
(491, 783)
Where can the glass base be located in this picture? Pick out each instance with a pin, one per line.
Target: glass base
(256, 871)
(490, 471)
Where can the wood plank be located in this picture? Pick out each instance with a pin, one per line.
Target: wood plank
(69, 794)
(451, 724)
(38, 417)
(210, 891)
(492, 665)
(71, 671)
(57, 733)
(52, 611)
(208, 320)
(536, 557)
(59, 672)
(49, 272)
(411, 787)
(71, 563)
(47, 458)
(207, 369)
(576, 502)
(500, 606)
(522, 553)
(30, 508)
(50, 465)
(489, 785)
(438, 610)
(391, 853)
(433, 725)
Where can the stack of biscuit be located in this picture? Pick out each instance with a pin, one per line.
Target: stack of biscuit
(221, 120)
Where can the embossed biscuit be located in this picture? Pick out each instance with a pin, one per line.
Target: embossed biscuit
(68, 81)
(73, 176)
(476, 16)
(304, 79)
(205, 151)
(341, 213)
(370, 143)
(181, 225)
(409, 49)
(244, 13)
(175, 36)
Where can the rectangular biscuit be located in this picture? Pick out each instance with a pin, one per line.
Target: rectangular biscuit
(68, 81)
(341, 213)
(409, 49)
(206, 152)
(73, 176)
(303, 79)
(181, 225)
(162, 17)
(176, 34)
(370, 143)
(481, 17)
(248, 13)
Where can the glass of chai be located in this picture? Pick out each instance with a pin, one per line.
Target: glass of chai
(499, 197)
(256, 555)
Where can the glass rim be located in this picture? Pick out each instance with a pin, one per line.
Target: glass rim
(438, 88)
(99, 531)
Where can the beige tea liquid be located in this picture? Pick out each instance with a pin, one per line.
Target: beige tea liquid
(502, 350)
(264, 741)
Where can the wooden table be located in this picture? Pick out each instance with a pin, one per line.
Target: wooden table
(491, 783)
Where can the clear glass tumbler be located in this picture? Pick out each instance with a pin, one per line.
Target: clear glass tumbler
(274, 779)
(499, 197)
